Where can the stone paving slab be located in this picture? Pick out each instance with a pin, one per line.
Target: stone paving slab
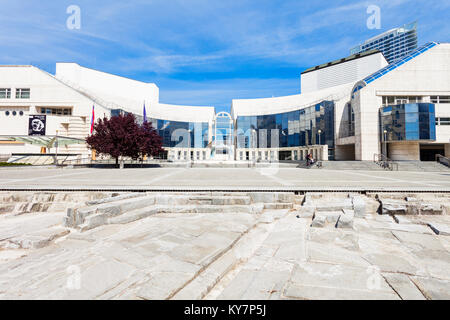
(326, 281)
(275, 254)
(403, 286)
(432, 288)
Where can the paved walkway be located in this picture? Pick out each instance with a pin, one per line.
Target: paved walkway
(220, 178)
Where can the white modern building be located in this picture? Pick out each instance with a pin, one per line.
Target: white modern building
(66, 100)
(355, 108)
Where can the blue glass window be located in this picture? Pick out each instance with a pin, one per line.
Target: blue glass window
(289, 129)
(411, 121)
(182, 134)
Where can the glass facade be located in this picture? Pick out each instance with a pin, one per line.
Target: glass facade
(181, 134)
(223, 133)
(411, 121)
(290, 129)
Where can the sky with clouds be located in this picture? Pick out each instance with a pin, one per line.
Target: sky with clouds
(205, 52)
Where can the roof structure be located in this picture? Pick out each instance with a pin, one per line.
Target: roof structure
(335, 62)
(250, 107)
(380, 73)
(400, 62)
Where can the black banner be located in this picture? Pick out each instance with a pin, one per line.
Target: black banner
(36, 125)
(229, 310)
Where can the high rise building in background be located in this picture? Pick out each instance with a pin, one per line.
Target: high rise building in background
(394, 44)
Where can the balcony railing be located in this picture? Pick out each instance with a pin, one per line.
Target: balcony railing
(443, 160)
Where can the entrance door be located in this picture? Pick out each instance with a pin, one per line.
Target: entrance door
(428, 152)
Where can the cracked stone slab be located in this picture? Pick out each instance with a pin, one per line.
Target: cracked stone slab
(324, 281)
(404, 287)
(333, 254)
(433, 289)
(38, 239)
(344, 239)
(393, 263)
(419, 240)
(162, 285)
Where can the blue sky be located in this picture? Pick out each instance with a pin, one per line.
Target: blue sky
(205, 52)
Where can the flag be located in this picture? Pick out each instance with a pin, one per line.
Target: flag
(92, 119)
(145, 114)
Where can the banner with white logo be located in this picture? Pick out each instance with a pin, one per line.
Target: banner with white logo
(36, 125)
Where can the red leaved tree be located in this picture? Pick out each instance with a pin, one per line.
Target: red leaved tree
(121, 136)
(150, 143)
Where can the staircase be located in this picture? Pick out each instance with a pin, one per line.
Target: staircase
(344, 165)
(78, 128)
(426, 166)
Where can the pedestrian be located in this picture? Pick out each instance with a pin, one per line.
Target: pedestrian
(308, 160)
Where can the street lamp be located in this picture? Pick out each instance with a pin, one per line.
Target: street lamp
(56, 145)
(319, 132)
(385, 145)
(254, 142)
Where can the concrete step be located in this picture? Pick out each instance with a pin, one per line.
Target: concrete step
(426, 166)
(133, 216)
(98, 212)
(344, 165)
(276, 206)
(114, 217)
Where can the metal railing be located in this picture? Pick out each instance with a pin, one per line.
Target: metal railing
(87, 160)
(77, 161)
(385, 162)
(40, 158)
(443, 160)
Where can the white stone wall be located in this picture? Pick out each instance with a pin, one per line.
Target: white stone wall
(443, 131)
(404, 151)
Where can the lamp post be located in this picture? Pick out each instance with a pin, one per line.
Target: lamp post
(319, 132)
(254, 141)
(385, 145)
(56, 145)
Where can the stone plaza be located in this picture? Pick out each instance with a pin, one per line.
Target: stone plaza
(258, 233)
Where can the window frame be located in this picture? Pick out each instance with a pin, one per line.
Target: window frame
(7, 92)
(21, 93)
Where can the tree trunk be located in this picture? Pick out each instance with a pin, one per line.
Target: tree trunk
(117, 162)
